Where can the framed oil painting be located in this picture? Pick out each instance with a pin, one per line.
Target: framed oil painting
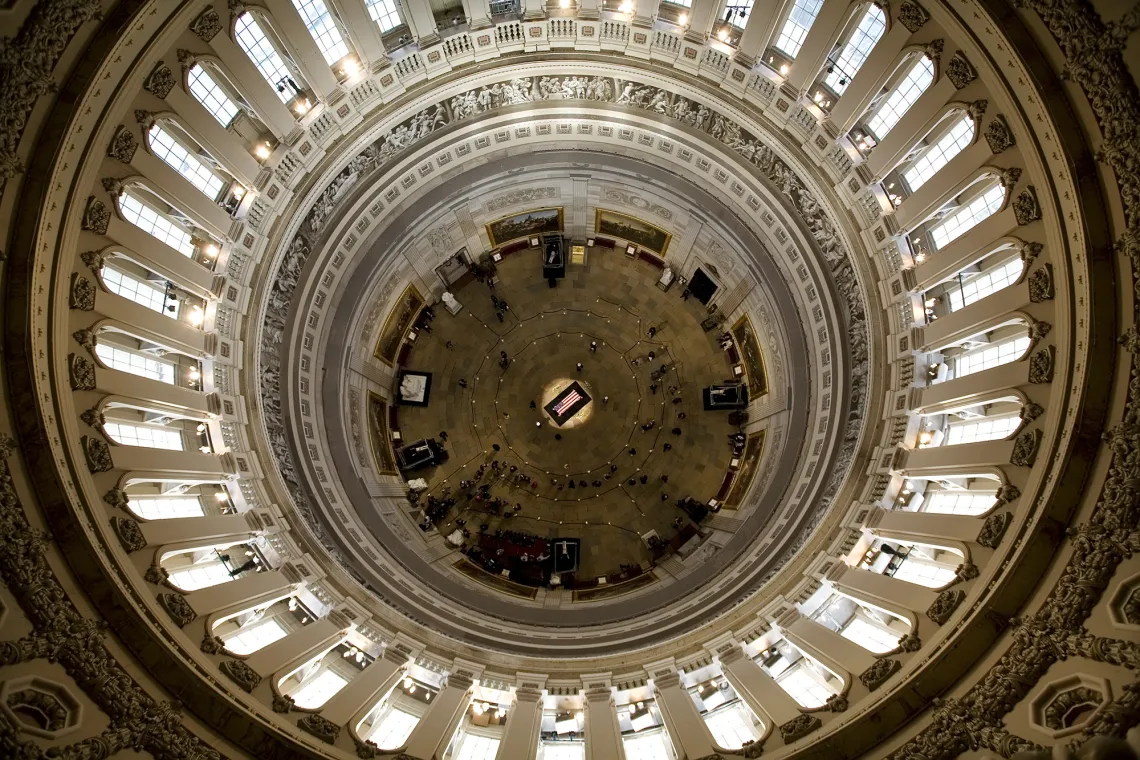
(379, 436)
(644, 234)
(751, 357)
(400, 319)
(537, 222)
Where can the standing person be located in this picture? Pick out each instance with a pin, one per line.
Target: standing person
(499, 314)
(605, 399)
(685, 294)
(443, 435)
(450, 346)
(462, 383)
(652, 332)
(579, 366)
(593, 347)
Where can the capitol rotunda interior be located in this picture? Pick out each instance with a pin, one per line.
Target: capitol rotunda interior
(570, 379)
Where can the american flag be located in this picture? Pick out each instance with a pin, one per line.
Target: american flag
(561, 407)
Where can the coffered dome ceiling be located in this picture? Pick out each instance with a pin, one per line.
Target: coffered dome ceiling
(233, 232)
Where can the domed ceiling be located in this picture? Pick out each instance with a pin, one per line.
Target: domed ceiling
(445, 380)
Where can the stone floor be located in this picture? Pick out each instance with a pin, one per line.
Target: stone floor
(612, 300)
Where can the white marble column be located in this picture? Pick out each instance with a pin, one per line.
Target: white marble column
(362, 30)
(766, 698)
(418, 16)
(224, 145)
(913, 125)
(367, 689)
(929, 528)
(433, 732)
(520, 737)
(838, 654)
(965, 250)
(691, 737)
(259, 93)
(249, 591)
(702, 16)
(297, 648)
(603, 736)
(758, 31)
(882, 592)
(939, 189)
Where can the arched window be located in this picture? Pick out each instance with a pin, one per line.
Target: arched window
(257, 45)
(145, 436)
(175, 154)
(736, 12)
(210, 94)
(804, 686)
(917, 78)
(135, 362)
(990, 355)
(154, 223)
(954, 141)
(251, 638)
(984, 429)
(322, 25)
(855, 52)
(647, 746)
(732, 725)
(957, 502)
(476, 747)
(795, 29)
(962, 220)
(166, 507)
(143, 292)
(975, 286)
(873, 638)
(317, 689)
(392, 730)
(919, 571)
(196, 576)
(384, 13)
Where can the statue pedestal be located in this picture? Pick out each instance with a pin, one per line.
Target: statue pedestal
(453, 306)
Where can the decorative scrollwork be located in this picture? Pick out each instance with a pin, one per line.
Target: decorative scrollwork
(993, 529)
(799, 727)
(320, 727)
(999, 135)
(1026, 209)
(178, 608)
(1025, 448)
(129, 533)
(1041, 284)
(81, 373)
(945, 604)
(123, 145)
(912, 15)
(98, 454)
(959, 71)
(241, 674)
(96, 217)
(877, 675)
(207, 24)
(161, 80)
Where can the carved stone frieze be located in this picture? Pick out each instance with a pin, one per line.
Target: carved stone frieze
(837, 703)
(365, 750)
(129, 533)
(993, 529)
(1041, 284)
(1009, 177)
(98, 454)
(178, 608)
(636, 201)
(123, 145)
(65, 637)
(945, 604)
(1041, 365)
(910, 643)
(977, 110)
(524, 195)
(912, 15)
(1026, 209)
(959, 71)
(207, 24)
(241, 674)
(161, 80)
(799, 727)
(877, 675)
(1025, 448)
(320, 727)
(30, 56)
(1008, 493)
(1031, 411)
(158, 576)
(999, 135)
(96, 216)
(81, 373)
(94, 260)
(186, 60)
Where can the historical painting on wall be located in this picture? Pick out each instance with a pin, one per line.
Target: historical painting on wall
(750, 356)
(749, 460)
(537, 222)
(399, 320)
(643, 234)
(379, 436)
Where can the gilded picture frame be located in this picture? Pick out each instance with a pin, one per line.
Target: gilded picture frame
(630, 228)
(396, 325)
(539, 221)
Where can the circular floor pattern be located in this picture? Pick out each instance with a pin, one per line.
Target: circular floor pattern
(626, 481)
